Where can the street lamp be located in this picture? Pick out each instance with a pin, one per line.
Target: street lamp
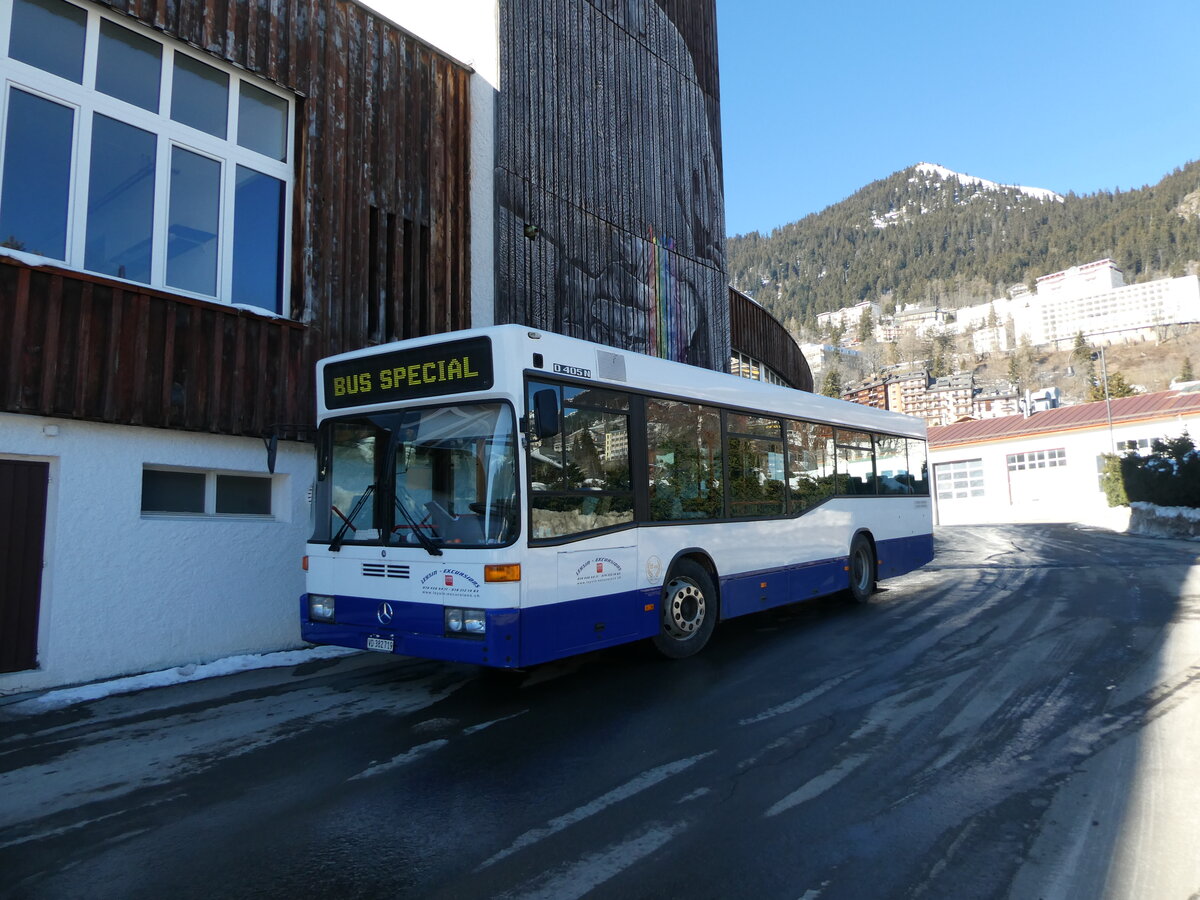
(1112, 444)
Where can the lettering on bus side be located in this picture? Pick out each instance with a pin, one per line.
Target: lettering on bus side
(453, 367)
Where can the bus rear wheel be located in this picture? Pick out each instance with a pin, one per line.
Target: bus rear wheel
(862, 569)
(689, 611)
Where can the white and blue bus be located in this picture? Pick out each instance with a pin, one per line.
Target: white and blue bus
(507, 497)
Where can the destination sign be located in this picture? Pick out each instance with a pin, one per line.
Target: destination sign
(451, 368)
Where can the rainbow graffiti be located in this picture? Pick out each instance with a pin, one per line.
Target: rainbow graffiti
(668, 327)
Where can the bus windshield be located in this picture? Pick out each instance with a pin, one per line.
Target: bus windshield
(431, 477)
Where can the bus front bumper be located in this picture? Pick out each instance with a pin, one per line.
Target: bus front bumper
(414, 629)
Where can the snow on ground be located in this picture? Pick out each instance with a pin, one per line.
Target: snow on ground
(63, 697)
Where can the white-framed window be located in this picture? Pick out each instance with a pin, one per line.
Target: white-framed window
(959, 480)
(748, 367)
(139, 158)
(1037, 459)
(194, 492)
(1140, 446)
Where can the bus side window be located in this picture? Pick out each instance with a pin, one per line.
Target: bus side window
(756, 473)
(683, 446)
(810, 476)
(891, 464)
(581, 476)
(855, 462)
(918, 467)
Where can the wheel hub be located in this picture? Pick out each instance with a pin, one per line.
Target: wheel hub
(685, 608)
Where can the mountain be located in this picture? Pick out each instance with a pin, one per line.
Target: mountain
(928, 234)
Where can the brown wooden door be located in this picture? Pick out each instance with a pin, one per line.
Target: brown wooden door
(22, 535)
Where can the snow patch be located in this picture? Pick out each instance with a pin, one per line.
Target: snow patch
(65, 697)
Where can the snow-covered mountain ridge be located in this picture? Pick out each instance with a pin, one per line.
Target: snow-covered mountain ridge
(944, 174)
(931, 178)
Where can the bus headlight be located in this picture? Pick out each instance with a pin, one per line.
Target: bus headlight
(320, 608)
(465, 622)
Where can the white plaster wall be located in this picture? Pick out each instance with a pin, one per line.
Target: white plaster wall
(469, 31)
(1070, 493)
(123, 592)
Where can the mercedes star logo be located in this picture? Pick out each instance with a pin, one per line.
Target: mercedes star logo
(385, 613)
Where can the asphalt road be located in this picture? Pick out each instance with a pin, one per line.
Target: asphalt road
(1019, 719)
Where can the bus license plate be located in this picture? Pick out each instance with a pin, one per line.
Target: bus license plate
(383, 644)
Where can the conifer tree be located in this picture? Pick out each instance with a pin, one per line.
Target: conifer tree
(1186, 373)
(865, 325)
(832, 385)
(1117, 387)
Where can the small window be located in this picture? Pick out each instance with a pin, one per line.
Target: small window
(243, 495)
(49, 34)
(193, 218)
(200, 96)
(258, 240)
(1037, 459)
(262, 122)
(172, 492)
(176, 492)
(129, 66)
(37, 175)
(120, 218)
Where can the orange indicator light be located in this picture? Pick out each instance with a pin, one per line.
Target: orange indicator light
(509, 572)
(304, 563)
(649, 607)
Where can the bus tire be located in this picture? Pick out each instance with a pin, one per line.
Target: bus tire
(689, 611)
(862, 568)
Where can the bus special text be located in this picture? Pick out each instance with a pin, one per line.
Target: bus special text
(441, 371)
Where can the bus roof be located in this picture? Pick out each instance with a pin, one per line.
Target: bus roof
(574, 359)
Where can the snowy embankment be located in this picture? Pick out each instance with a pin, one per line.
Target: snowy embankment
(57, 699)
(1165, 521)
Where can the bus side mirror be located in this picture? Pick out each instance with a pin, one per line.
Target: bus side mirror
(545, 413)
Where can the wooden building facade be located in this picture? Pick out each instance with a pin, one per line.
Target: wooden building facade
(377, 249)
(610, 211)
(758, 334)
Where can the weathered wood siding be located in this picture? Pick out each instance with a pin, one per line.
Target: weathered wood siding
(380, 236)
(757, 333)
(609, 145)
(86, 348)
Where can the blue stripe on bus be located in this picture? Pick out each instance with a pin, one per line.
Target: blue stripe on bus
(517, 638)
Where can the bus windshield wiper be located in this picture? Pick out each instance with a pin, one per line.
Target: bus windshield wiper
(336, 544)
(426, 541)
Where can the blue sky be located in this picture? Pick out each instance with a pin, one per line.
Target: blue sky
(819, 98)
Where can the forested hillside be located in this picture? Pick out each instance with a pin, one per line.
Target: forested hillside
(924, 235)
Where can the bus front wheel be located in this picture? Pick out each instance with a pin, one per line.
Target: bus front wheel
(689, 611)
(862, 568)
